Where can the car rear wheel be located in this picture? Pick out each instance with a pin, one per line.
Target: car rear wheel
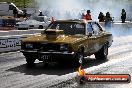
(40, 27)
(102, 53)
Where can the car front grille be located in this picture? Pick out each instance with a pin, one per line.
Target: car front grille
(35, 46)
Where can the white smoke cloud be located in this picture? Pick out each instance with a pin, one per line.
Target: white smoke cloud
(64, 9)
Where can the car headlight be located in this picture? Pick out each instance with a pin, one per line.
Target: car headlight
(29, 46)
(64, 47)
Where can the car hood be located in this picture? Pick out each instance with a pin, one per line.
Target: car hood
(60, 39)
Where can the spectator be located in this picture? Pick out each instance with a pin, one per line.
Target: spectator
(40, 14)
(108, 20)
(123, 15)
(88, 15)
(101, 17)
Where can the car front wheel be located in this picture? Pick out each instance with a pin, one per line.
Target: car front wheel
(102, 53)
(40, 27)
(30, 61)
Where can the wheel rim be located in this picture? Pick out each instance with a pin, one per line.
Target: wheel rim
(105, 50)
(80, 58)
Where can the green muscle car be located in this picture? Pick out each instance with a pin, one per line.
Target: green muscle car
(66, 41)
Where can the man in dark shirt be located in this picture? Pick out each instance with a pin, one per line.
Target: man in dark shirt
(123, 16)
(40, 14)
(101, 17)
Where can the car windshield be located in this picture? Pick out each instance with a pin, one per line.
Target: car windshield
(41, 19)
(69, 28)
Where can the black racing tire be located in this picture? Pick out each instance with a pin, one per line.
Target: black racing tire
(102, 53)
(40, 27)
(30, 61)
(79, 58)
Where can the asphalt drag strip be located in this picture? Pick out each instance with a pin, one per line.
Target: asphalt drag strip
(119, 53)
(70, 79)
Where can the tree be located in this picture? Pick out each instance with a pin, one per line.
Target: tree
(21, 3)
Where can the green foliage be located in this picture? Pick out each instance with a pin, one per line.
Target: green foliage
(21, 3)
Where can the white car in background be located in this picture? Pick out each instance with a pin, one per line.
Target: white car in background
(39, 22)
(6, 9)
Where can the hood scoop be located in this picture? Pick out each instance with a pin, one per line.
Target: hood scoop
(53, 33)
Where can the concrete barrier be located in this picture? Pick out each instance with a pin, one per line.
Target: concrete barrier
(32, 31)
(20, 32)
(3, 33)
(11, 40)
(11, 43)
(118, 23)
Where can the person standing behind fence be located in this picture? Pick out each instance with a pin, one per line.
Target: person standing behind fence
(88, 15)
(101, 17)
(40, 14)
(123, 15)
(108, 20)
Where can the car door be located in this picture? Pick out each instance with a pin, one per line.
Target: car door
(98, 35)
(93, 33)
(90, 39)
